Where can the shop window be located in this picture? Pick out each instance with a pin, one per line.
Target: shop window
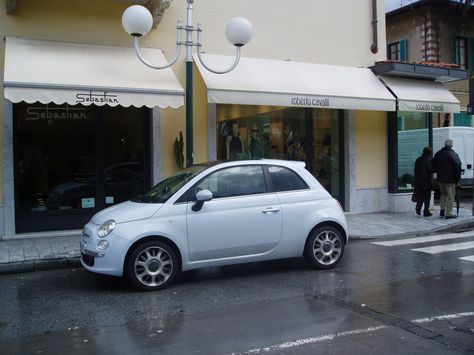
(412, 137)
(71, 161)
(463, 119)
(290, 133)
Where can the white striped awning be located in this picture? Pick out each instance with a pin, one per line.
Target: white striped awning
(73, 73)
(421, 95)
(284, 83)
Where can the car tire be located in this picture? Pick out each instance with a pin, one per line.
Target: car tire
(152, 265)
(324, 247)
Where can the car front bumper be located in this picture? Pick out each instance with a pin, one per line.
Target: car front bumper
(109, 261)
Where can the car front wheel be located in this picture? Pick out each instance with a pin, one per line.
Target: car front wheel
(152, 265)
(325, 247)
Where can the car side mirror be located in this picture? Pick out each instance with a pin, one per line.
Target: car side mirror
(201, 197)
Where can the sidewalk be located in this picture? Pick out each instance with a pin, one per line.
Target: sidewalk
(54, 250)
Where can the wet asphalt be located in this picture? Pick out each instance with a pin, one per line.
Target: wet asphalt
(379, 300)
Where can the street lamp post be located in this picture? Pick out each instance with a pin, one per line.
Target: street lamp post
(137, 21)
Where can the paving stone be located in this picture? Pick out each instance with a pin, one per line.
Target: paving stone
(16, 256)
(4, 256)
(31, 253)
(73, 252)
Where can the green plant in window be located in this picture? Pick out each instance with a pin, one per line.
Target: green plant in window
(178, 151)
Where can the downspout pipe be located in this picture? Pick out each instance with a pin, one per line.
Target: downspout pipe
(374, 47)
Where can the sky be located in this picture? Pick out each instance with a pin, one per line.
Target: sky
(395, 4)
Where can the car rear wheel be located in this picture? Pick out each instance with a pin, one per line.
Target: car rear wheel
(325, 247)
(152, 265)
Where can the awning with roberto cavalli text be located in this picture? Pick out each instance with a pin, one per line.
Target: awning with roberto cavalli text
(417, 95)
(285, 83)
(73, 73)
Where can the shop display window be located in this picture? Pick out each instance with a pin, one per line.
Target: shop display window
(71, 159)
(412, 137)
(288, 133)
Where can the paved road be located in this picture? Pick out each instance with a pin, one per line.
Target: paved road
(396, 296)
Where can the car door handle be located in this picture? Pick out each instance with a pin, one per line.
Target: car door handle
(270, 210)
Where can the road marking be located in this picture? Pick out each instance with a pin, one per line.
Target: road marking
(323, 338)
(431, 238)
(443, 317)
(445, 248)
(468, 258)
(312, 340)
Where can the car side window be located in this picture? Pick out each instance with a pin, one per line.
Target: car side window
(234, 181)
(284, 179)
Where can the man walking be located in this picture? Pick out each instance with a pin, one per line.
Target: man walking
(447, 165)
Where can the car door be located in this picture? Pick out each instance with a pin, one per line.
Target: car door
(243, 218)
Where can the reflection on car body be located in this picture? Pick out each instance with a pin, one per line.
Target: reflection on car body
(217, 213)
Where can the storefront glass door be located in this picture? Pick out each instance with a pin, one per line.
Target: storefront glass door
(71, 162)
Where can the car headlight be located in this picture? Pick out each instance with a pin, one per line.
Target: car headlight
(106, 228)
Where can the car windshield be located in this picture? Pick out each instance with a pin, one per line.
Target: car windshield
(166, 188)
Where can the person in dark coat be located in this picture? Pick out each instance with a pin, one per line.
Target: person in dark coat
(423, 182)
(447, 165)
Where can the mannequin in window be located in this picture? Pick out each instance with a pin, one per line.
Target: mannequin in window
(255, 146)
(234, 145)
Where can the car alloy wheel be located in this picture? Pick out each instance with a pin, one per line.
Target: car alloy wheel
(325, 247)
(152, 265)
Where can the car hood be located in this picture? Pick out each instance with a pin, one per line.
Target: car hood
(126, 212)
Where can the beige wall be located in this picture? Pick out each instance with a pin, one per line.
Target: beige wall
(328, 32)
(371, 149)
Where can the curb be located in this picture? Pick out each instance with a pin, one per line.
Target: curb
(39, 265)
(455, 227)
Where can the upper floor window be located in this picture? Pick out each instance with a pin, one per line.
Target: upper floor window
(461, 52)
(398, 50)
(393, 51)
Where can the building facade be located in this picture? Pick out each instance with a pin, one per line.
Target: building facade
(85, 125)
(440, 34)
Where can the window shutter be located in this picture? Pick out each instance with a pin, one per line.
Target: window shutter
(404, 49)
(471, 55)
(454, 53)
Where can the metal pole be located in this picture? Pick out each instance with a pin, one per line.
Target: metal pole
(189, 114)
(189, 85)
(470, 111)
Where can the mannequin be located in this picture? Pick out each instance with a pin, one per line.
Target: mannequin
(233, 143)
(255, 146)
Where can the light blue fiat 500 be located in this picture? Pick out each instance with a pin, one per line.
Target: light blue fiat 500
(217, 213)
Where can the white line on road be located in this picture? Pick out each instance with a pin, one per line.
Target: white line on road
(446, 248)
(431, 238)
(444, 317)
(468, 258)
(322, 338)
(312, 340)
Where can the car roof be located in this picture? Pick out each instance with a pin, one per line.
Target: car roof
(288, 163)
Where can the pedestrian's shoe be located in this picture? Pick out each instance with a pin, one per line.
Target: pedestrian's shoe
(441, 213)
(427, 214)
(418, 212)
(451, 216)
